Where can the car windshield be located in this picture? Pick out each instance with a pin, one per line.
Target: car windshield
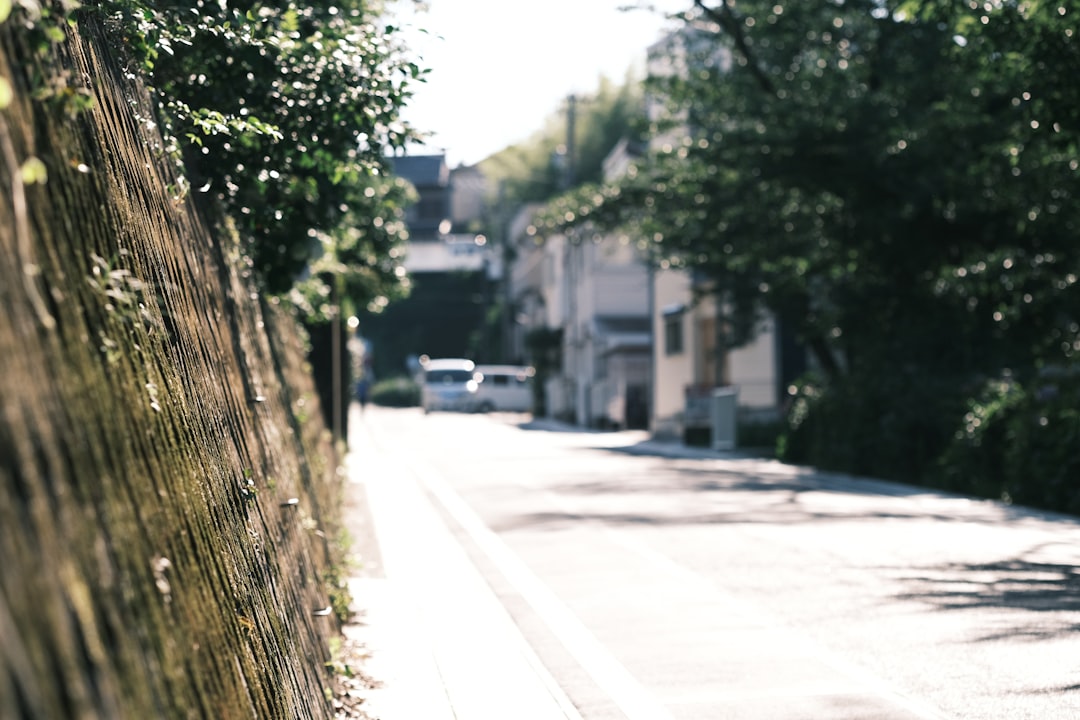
(448, 377)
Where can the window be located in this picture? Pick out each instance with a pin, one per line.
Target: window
(448, 377)
(673, 333)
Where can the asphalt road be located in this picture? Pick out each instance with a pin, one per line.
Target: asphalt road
(654, 582)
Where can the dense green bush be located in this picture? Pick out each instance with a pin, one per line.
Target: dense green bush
(1006, 440)
(759, 435)
(396, 392)
(888, 425)
(1019, 443)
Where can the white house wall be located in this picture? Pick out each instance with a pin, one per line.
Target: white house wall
(552, 287)
(672, 373)
(753, 371)
(621, 291)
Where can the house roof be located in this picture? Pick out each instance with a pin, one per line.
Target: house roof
(422, 170)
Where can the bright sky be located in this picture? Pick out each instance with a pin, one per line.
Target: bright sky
(499, 68)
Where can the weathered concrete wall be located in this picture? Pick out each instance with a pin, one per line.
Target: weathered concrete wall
(157, 424)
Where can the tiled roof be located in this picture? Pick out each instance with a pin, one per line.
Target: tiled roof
(422, 170)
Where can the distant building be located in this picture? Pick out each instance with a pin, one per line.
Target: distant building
(453, 272)
(468, 198)
(593, 291)
(430, 215)
(638, 346)
(690, 357)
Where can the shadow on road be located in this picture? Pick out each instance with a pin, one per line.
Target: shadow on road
(546, 425)
(1039, 587)
(751, 488)
(723, 492)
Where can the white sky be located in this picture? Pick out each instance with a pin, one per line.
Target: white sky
(499, 68)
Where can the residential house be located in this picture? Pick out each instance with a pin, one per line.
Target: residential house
(642, 346)
(691, 361)
(429, 217)
(594, 290)
(453, 272)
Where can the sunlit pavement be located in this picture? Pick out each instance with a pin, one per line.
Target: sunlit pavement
(441, 644)
(605, 561)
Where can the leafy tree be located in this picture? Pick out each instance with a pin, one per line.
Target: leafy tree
(281, 113)
(536, 170)
(891, 179)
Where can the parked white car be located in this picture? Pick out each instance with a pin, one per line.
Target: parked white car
(448, 384)
(505, 387)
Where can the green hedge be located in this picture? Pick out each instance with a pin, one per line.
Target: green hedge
(1001, 439)
(396, 392)
(890, 426)
(1019, 443)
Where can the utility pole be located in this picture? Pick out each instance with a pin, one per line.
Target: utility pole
(571, 122)
(502, 233)
(336, 372)
(571, 340)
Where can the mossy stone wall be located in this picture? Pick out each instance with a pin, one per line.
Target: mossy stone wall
(168, 490)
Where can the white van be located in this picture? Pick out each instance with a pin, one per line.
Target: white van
(448, 384)
(505, 387)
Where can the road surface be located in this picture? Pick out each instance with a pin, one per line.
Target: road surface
(656, 582)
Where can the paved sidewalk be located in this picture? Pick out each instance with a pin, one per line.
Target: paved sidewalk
(442, 647)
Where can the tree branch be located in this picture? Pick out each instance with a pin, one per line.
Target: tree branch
(725, 17)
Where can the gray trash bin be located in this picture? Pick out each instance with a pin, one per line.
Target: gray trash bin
(724, 404)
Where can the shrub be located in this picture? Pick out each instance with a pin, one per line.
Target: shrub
(396, 392)
(1019, 443)
(972, 462)
(760, 435)
(887, 424)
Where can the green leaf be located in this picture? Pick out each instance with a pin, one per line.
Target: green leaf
(34, 171)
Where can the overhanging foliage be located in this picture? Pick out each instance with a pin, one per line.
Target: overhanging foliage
(894, 180)
(280, 114)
